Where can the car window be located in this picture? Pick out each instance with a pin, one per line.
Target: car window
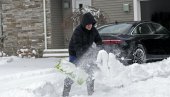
(116, 29)
(142, 29)
(160, 29)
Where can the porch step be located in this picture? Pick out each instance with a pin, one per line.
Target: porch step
(59, 53)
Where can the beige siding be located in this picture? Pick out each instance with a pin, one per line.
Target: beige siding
(114, 9)
(56, 19)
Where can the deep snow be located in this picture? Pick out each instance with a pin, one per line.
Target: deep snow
(29, 77)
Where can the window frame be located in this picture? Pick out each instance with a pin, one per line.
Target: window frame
(151, 30)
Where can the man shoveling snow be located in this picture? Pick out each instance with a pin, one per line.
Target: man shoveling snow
(83, 37)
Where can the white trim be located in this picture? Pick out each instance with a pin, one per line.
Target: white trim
(137, 10)
(56, 55)
(73, 5)
(56, 50)
(45, 24)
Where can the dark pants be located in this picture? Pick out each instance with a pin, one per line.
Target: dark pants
(68, 82)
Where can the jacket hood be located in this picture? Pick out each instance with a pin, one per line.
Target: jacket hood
(87, 19)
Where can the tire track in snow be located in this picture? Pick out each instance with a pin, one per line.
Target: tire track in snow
(27, 74)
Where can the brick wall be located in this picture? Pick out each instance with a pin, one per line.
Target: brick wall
(22, 22)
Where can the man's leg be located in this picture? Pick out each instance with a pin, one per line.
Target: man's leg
(90, 85)
(90, 80)
(67, 86)
(68, 82)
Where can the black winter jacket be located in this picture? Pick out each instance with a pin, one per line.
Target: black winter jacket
(82, 38)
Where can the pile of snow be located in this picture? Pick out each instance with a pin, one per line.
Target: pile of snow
(120, 75)
(30, 77)
(5, 60)
(2, 54)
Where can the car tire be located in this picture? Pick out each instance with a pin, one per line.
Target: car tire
(139, 54)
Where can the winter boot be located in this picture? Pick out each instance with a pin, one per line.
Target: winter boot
(67, 87)
(90, 87)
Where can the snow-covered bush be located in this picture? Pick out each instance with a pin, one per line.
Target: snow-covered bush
(76, 16)
(25, 52)
(29, 53)
(2, 54)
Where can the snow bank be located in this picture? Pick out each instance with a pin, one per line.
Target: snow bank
(39, 83)
(28, 77)
(42, 89)
(38, 78)
(118, 75)
(5, 60)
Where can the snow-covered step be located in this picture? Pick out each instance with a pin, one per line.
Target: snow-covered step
(55, 50)
(59, 53)
(56, 55)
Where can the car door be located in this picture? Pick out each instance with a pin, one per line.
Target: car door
(145, 35)
(164, 37)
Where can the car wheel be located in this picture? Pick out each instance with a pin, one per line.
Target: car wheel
(139, 54)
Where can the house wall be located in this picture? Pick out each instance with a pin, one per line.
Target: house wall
(57, 21)
(114, 9)
(67, 25)
(146, 10)
(23, 23)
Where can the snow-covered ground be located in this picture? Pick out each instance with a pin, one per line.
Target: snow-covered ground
(29, 77)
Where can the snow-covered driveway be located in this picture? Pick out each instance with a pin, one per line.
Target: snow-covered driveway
(29, 77)
(23, 77)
